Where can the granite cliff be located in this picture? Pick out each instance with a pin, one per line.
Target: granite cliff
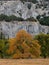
(9, 29)
(24, 10)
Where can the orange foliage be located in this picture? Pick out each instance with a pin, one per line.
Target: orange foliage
(22, 35)
(11, 46)
(23, 42)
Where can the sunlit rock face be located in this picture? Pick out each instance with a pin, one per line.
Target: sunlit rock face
(9, 29)
(17, 8)
(21, 9)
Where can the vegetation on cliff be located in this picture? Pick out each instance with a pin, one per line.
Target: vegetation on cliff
(14, 18)
(33, 1)
(43, 20)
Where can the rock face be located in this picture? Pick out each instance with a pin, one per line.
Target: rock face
(9, 29)
(20, 9)
(24, 10)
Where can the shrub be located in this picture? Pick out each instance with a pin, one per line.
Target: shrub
(10, 18)
(2, 36)
(44, 20)
(3, 48)
(2, 17)
(44, 42)
(14, 18)
(7, 18)
(33, 1)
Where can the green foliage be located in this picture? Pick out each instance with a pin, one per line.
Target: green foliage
(2, 36)
(44, 20)
(7, 18)
(14, 18)
(3, 48)
(38, 17)
(44, 42)
(10, 18)
(33, 1)
(2, 17)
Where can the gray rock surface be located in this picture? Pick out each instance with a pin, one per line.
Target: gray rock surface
(9, 29)
(21, 9)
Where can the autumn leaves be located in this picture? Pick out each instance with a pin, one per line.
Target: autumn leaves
(25, 46)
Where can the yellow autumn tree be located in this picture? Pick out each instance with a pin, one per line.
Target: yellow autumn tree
(23, 46)
(22, 35)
